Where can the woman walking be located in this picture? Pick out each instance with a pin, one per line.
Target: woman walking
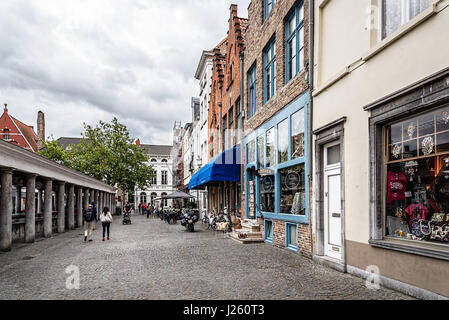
(106, 220)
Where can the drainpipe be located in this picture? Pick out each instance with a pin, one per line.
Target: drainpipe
(310, 109)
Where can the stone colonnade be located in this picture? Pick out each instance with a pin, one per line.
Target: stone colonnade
(54, 199)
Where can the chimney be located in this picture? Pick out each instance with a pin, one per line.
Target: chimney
(40, 129)
(138, 142)
(234, 12)
(5, 110)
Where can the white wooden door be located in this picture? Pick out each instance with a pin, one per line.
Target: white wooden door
(332, 202)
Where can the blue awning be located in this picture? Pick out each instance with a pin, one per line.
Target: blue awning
(225, 167)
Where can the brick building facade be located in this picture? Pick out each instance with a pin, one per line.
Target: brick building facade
(276, 103)
(225, 107)
(14, 131)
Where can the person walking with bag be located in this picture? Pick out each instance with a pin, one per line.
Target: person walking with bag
(106, 220)
(89, 218)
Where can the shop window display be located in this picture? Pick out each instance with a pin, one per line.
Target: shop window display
(417, 195)
(293, 196)
(267, 193)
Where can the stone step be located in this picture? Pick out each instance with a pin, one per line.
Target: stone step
(250, 226)
(249, 233)
(234, 236)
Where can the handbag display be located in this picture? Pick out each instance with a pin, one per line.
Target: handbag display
(421, 229)
(440, 227)
(440, 231)
(440, 217)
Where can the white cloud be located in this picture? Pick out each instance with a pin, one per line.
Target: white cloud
(85, 61)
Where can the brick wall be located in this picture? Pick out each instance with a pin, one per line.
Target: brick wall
(258, 34)
(235, 45)
(279, 241)
(216, 97)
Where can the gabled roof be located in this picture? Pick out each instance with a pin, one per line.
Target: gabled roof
(28, 133)
(67, 141)
(157, 150)
(204, 56)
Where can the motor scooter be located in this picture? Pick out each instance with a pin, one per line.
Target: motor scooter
(188, 220)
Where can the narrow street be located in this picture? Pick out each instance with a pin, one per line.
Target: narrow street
(153, 260)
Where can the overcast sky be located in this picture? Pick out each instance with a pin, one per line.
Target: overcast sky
(89, 60)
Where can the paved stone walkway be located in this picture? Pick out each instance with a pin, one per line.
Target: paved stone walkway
(153, 260)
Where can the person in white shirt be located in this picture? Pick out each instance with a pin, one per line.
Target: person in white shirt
(106, 220)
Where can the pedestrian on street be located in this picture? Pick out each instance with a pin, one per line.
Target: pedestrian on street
(148, 210)
(89, 218)
(127, 208)
(106, 220)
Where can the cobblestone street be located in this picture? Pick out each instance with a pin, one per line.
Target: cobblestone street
(153, 260)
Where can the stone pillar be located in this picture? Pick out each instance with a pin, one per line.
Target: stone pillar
(39, 201)
(86, 199)
(48, 208)
(71, 206)
(30, 215)
(97, 200)
(18, 199)
(100, 202)
(61, 208)
(5, 209)
(79, 199)
(91, 194)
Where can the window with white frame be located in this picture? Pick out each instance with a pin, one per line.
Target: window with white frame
(395, 13)
(154, 179)
(164, 177)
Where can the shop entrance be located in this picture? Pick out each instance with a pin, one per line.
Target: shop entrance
(251, 174)
(332, 201)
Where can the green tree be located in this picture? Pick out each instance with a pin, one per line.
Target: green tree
(108, 153)
(51, 150)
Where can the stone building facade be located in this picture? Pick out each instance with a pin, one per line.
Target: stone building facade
(161, 158)
(380, 100)
(276, 102)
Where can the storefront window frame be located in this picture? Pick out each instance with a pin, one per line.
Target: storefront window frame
(388, 161)
(288, 245)
(302, 102)
(383, 112)
(266, 233)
